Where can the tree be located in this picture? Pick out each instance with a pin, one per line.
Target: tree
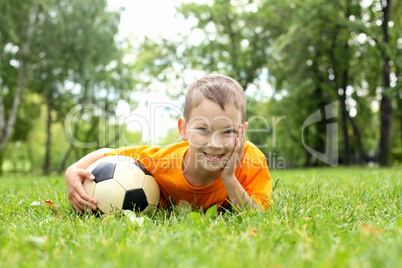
(76, 43)
(49, 47)
(383, 35)
(386, 103)
(236, 37)
(313, 52)
(18, 20)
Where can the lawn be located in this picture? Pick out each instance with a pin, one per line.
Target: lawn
(329, 217)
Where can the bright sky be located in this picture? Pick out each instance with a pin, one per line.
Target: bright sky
(151, 18)
(156, 18)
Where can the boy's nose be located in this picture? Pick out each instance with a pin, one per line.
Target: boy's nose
(215, 141)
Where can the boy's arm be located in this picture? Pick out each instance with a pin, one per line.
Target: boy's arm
(237, 195)
(75, 176)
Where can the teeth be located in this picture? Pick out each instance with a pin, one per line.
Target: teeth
(213, 156)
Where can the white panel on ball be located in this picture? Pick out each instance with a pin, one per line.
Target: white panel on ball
(151, 189)
(109, 194)
(129, 176)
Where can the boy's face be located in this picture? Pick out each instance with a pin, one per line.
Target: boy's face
(211, 132)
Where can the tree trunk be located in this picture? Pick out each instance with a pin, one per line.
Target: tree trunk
(345, 81)
(321, 126)
(386, 104)
(76, 129)
(62, 166)
(46, 166)
(1, 162)
(342, 100)
(91, 133)
(307, 162)
(399, 104)
(362, 160)
(7, 126)
(346, 154)
(31, 156)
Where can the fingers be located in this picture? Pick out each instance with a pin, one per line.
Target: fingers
(81, 209)
(238, 148)
(81, 204)
(84, 196)
(86, 174)
(79, 188)
(241, 138)
(235, 158)
(80, 200)
(76, 207)
(76, 193)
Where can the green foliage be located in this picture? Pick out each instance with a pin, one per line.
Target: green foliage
(236, 40)
(305, 50)
(74, 59)
(27, 116)
(315, 52)
(172, 137)
(332, 217)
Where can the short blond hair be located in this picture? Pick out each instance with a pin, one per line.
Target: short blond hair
(217, 88)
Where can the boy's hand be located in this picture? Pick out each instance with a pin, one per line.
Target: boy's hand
(228, 171)
(75, 190)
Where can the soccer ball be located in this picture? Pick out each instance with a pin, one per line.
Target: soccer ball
(122, 182)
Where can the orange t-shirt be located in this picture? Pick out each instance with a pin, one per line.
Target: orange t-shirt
(165, 164)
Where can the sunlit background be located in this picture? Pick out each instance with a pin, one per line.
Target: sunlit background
(159, 19)
(80, 75)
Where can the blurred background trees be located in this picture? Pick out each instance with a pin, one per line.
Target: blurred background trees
(63, 59)
(55, 55)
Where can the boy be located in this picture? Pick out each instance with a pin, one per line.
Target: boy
(213, 164)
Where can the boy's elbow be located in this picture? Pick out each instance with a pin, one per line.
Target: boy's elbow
(104, 150)
(263, 202)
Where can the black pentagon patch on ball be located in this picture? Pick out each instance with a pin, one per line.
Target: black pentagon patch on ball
(135, 198)
(104, 171)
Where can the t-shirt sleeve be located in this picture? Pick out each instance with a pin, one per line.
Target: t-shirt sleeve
(261, 187)
(143, 154)
(134, 152)
(255, 178)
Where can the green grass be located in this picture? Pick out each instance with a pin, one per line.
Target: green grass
(321, 218)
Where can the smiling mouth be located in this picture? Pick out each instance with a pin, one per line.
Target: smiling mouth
(213, 157)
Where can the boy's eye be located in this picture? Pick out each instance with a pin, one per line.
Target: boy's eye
(230, 131)
(202, 129)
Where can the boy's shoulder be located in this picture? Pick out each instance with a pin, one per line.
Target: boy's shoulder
(251, 149)
(253, 158)
(151, 151)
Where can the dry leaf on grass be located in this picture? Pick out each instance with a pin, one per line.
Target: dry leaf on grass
(252, 232)
(50, 203)
(368, 229)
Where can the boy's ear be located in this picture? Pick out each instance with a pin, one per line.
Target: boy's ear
(182, 128)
